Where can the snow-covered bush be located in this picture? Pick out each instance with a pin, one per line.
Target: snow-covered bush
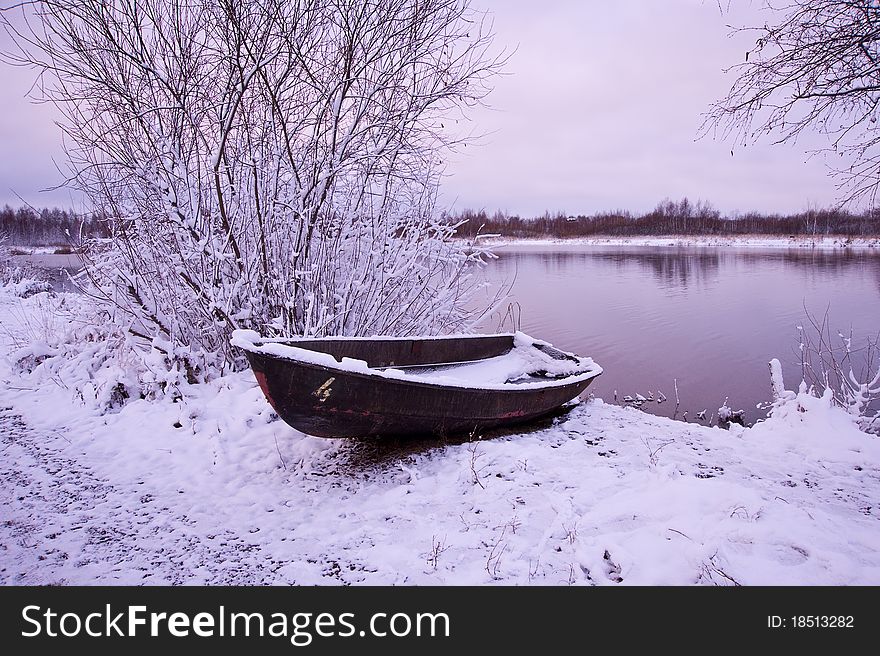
(67, 340)
(816, 404)
(16, 279)
(834, 365)
(271, 164)
(17, 284)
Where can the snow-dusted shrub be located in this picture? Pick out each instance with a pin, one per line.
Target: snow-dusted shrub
(30, 319)
(66, 340)
(817, 404)
(18, 285)
(833, 365)
(269, 164)
(792, 407)
(15, 279)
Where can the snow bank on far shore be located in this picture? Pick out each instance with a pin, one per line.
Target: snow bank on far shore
(740, 241)
(212, 488)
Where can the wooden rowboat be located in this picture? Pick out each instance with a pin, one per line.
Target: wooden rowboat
(357, 387)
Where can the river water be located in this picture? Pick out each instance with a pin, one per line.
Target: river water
(56, 269)
(707, 319)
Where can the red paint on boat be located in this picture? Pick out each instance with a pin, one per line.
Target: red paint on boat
(261, 379)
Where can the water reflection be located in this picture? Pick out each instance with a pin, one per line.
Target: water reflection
(681, 267)
(670, 268)
(705, 319)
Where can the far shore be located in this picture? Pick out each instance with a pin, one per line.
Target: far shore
(50, 255)
(736, 241)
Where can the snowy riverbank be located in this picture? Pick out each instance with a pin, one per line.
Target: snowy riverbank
(213, 489)
(739, 241)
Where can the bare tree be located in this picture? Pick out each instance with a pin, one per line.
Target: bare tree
(269, 164)
(816, 68)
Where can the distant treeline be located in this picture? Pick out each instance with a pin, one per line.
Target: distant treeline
(56, 227)
(672, 218)
(49, 227)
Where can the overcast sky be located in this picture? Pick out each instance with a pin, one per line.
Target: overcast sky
(602, 107)
(600, 110)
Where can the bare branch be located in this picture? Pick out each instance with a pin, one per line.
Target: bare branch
(817, 68)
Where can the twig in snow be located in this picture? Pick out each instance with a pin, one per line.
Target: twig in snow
(680, 533)
(533, 571)
(653, 454)
(437, 548)
(493, 562)
(475, 471)
(283, 464)
(711, 567)
(677, 400)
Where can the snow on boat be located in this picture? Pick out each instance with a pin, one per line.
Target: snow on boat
(356, 386)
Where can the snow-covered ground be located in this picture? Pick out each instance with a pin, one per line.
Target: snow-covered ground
(739, 241)
(214, 489)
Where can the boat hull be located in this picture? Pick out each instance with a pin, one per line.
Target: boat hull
(329, 402)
